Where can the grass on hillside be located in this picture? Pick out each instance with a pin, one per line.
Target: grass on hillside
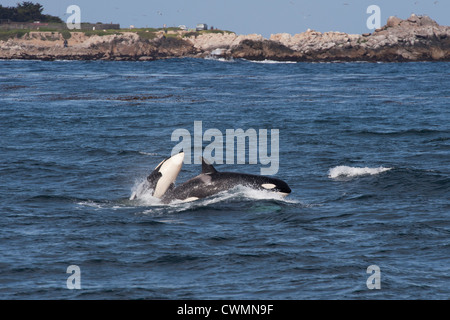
(197, 33)
(15, 33)
(144, 33)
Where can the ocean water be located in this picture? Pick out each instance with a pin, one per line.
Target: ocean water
(365, 148)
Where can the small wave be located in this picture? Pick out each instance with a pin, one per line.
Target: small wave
(350, 172)
(106, 204)
(270, 61)
(128, 152)
(407, 132)
(148, 153)
(220, 59)
(53, 198)
(91, 203)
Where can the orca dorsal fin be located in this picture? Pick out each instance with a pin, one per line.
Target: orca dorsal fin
(207, 168)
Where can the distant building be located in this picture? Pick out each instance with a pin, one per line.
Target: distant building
(201, 26)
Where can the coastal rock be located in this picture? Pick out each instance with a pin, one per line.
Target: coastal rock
(264, 50)
(207, 43)
(174, 47)
(311, 40)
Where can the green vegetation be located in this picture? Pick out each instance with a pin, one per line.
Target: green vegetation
(144, 33)
(216, 31)
(147, 35)
(152, 29)
(361, 41)
(8, 34)
(197, 33)
(66, 34)
(27, 12)
(19, 33)
(90, 33)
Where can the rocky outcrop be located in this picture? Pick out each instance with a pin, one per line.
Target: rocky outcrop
(209, 42)
(265, 50)
(418, 38)
(121, 46)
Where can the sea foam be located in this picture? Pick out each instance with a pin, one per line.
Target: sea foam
(350, 172)
(271, 61)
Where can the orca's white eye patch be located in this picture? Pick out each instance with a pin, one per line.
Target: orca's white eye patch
(268, 186)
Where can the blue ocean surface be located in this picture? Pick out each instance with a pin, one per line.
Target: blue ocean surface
(365, 148)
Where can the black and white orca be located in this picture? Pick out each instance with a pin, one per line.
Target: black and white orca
(206, 184)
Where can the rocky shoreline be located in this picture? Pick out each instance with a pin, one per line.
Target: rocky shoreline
(418, 38)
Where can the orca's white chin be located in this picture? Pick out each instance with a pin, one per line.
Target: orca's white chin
(169, 171)
(177, 159)
(283, 194)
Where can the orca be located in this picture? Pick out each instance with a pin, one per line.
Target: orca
(206, 184)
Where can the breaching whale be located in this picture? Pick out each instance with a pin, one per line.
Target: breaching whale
(208, 183)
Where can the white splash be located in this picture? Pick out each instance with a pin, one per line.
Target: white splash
(350, 172)
(218, 58)
(144, 194)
